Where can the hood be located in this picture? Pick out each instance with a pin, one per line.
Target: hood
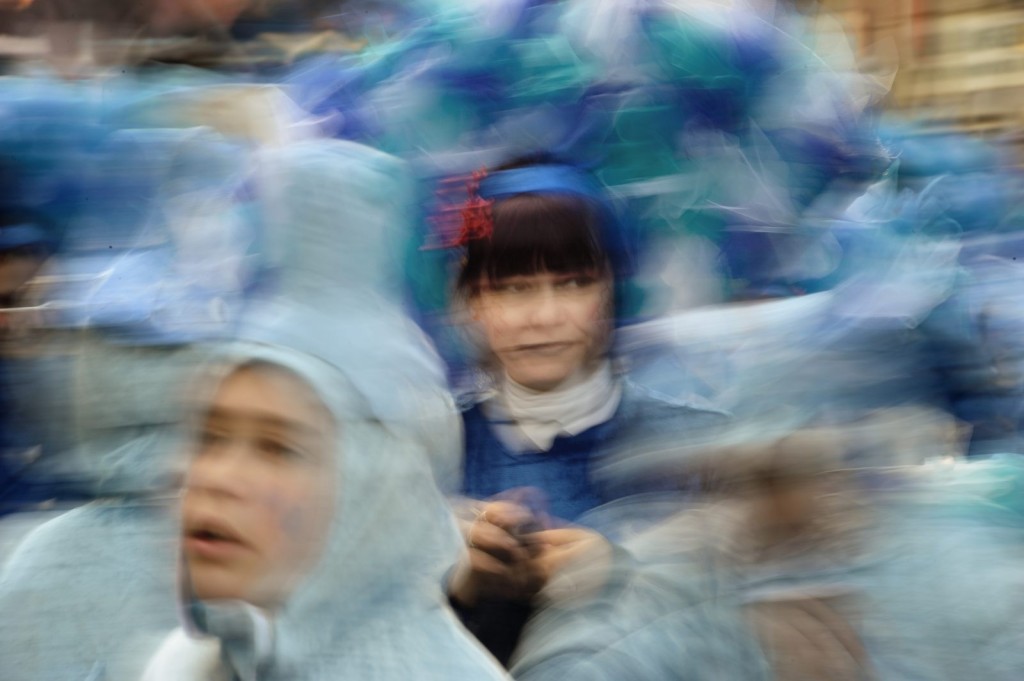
(391, 540)
(336, 322)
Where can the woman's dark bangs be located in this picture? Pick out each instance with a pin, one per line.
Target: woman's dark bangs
(542, 233)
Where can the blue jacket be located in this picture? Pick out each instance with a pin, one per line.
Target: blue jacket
(578, 479)
(579, 472)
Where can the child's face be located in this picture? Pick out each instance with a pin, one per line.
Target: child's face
(545, 327)
(259, 494)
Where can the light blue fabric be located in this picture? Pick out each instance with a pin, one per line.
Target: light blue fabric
(93, 590)
(372, 607)
(95, 587)
(664, 614)
(338, 218)
(899, 332)
(161, 227)
(937, 597)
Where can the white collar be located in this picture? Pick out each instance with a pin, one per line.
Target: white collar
(537, 418)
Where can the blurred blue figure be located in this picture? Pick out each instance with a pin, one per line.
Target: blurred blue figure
(679, 110)
(31, 205)
(150, 270)
(995, 412)
(351, 534)
(903, 319)
(24, 247)
(975, 187)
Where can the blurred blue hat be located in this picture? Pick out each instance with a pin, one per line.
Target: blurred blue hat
(143, 200)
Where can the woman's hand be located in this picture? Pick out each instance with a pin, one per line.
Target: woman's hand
(501, 560)
(508, 561)
(573, 562)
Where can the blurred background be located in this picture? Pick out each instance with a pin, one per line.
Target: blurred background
(922, 69)
(957, 65)
(814, 212)
(100, 97)
(954, 65)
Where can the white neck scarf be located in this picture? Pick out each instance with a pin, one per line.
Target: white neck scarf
(539, 417)
(182, 658)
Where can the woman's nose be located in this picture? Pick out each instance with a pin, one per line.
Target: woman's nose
(546, 308)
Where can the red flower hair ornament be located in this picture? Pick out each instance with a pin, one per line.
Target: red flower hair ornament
(469, 221)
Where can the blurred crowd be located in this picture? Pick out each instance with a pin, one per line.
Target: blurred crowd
(484, 339)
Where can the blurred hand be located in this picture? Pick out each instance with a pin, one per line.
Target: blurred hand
(562, 548)
(500, 562)
(572, 562)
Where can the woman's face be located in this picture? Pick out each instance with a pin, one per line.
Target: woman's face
(545, 328)
(259, 494)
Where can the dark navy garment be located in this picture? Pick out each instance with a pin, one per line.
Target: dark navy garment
(565, 473)
(562, 473)
(567, 477)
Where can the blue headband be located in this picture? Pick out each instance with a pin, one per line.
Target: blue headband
(565, 179)
(540, 179)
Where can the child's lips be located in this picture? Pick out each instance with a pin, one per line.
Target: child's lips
(213, 549)
(213, 541)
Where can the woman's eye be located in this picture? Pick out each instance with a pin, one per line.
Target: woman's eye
(576, 282)
(511, 287)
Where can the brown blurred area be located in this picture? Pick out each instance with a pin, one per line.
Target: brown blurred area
(74, 35)
(957, 65)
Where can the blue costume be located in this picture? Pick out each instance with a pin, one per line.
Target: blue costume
(576, 478)
(582, 468)
(572, 474)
